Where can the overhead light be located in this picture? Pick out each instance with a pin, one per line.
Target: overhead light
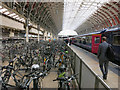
(3, 10)
(15, 16)
(6, 13)
(87, 3)
(0, 6)
(21, 19)
(12, 14)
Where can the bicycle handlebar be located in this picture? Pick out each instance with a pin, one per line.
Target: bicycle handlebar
(75, 74)
(72, 77)
(11, 61)
(7, 67)
(36, 76)
(61, 79)
(67, 79)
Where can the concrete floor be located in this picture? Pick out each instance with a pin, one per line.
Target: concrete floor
(48, 80)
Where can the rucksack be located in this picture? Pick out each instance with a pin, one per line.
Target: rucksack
(110, 53)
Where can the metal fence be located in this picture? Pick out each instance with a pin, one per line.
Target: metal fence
(87, 78)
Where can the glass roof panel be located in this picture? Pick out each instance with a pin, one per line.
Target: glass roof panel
(76, 12)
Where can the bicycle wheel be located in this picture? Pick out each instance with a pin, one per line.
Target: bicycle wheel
(66, 86)
(17, 65)
(25, 83)
(6, 75)
(5, 79)
(60, 85)
(18, 77)
(40, 83)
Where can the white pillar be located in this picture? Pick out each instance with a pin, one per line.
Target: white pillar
(1, 46)
(11, 34)
(38, 33)
(18, 35)
(38, 36)
(27, 31)
(51, 36)
(27, 38)
(45, 35)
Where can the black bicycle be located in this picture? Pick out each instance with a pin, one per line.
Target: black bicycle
(36, 77)
(10, 72)
(64, 82)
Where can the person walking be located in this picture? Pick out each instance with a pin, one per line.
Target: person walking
(66, 41)
(70, 42)
(103, 60)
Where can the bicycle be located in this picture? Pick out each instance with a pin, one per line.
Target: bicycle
(34, 76)
(64, 82)
(10, 73)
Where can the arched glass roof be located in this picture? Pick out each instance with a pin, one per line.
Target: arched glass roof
(83, 16)
(76, 12)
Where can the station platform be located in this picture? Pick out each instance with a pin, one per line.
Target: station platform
(113, 79)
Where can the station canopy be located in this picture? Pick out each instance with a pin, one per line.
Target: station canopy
(86, 16)
(76, 12)
(82, 16)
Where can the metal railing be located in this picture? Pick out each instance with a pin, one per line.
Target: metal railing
(87, 78)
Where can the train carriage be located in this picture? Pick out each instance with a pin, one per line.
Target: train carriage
(91, 41)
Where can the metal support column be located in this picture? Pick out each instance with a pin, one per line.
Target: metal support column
(80, 73)
(11, 34)
(51, 36)
(46, 35)
(43, 35)
(38, 33)
(27, 31)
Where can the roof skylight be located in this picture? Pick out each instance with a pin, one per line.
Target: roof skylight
(76, 12)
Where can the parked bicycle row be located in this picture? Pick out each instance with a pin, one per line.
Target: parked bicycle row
(31, 62)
